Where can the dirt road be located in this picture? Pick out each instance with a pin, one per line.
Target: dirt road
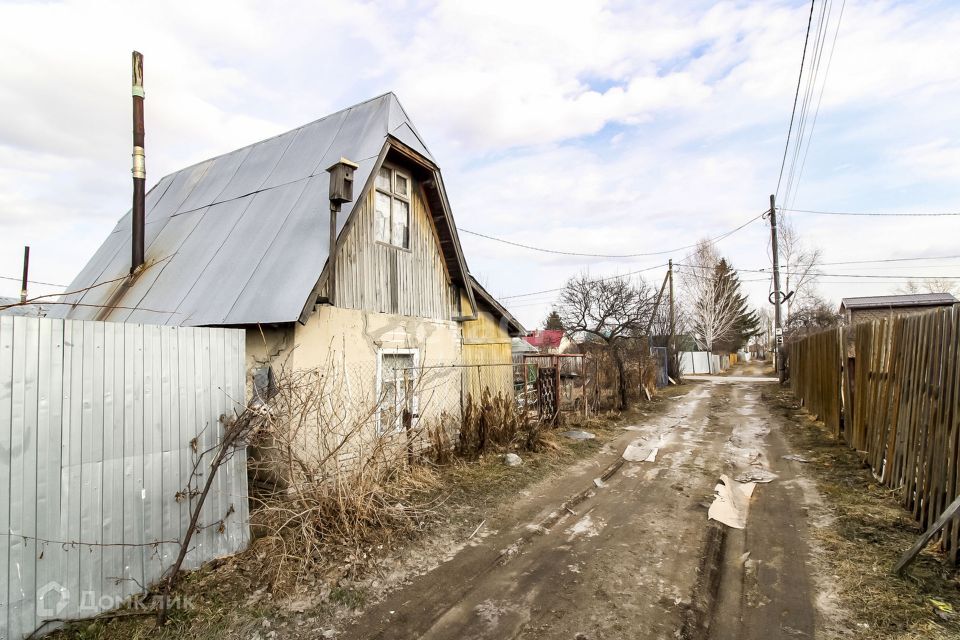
(634, 555)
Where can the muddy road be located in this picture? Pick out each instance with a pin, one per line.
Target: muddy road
(622, 549)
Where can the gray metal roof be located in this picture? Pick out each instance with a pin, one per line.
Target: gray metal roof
(904, 300)
(241, 238)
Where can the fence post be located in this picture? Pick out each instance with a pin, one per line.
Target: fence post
(407, 415)
(583, 385)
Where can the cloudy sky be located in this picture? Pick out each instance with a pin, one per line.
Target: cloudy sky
(587, 126)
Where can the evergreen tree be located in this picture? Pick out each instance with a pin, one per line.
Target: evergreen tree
(553, 321)
(746, 322)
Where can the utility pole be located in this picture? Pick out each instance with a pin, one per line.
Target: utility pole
(776, 295)
(673, 324)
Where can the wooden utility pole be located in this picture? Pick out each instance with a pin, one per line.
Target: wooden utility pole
(26, 269)
(656, 304)
(674, 363)
(139, 165)
(776, 296)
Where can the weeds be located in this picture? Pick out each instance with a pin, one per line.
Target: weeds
(866, 533)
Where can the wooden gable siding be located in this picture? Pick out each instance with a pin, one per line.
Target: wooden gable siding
(372, 276)
(487, 345)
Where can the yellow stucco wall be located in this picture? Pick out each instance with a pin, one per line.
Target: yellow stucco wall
(343, 345)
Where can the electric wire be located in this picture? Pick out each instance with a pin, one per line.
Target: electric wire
(939, 214)
(816, 113)
(813, 69)
(796, 96)
(609, 255)
(48, 284)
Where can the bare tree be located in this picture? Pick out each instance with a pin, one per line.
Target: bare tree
(611, 311)
(763, 340)
(931, 285)
(712, 304)
(799, 264)
(812, 315)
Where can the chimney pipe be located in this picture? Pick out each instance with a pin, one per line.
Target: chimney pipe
(139, 165)
(26, 269)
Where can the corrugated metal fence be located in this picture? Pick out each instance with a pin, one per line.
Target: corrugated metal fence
(900, 407)
(101, 426)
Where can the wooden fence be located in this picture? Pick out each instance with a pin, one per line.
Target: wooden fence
(900, 406)
(815, 370)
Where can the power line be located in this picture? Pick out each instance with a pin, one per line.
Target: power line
(876, 214)
(630, 273)
(820, 274)
(622, 275)
(49, 284)
(816, 113)
(607, 255)
(813, 68)
(793, 112)
(830, 264)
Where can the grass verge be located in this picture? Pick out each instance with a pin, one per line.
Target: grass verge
(865, 532)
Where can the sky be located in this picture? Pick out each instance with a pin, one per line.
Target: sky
(590, 127)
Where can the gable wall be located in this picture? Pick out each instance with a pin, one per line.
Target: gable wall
(486, 344)
(375, 277)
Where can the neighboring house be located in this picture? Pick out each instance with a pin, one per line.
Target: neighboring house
(869, 308)
(520, 347)
(241, 240)
(12, 307)
(551, 341)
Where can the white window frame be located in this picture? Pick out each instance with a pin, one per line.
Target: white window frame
(414, 401)
(394, 197)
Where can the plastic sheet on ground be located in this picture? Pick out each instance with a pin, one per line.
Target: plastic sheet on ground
(757, 474)
(732, 502)
(576, 434)
(635, 453)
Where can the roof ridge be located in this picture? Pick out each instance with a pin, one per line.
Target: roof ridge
(344, 110)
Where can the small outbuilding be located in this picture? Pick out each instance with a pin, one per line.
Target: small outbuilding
(870, 308)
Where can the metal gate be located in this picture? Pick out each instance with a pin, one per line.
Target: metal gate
(548, 392)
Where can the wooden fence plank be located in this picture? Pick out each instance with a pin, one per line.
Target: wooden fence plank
(900, 405)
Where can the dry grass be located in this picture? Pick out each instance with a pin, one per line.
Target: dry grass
(867, 531)
(351, 530)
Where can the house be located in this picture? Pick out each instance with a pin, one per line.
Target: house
(242, 240)
(551, 341)
(869, 308)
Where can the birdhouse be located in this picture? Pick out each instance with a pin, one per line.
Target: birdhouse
(341, 181)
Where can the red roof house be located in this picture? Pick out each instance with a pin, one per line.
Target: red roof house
(545, 339)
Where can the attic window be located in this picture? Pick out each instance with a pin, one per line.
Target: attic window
(392, 208)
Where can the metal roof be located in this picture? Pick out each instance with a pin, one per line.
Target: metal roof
(241, 238)
(904, 300)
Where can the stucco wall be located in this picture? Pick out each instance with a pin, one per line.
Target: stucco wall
(342, 347)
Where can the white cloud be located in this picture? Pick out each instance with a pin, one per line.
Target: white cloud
(599, 127)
